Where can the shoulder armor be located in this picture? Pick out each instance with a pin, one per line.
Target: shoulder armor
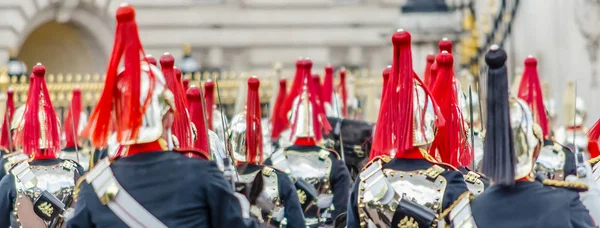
(434, 171)
(268, 171)
(474, 182)
(335, 153)
(575, 186)
(459, 213)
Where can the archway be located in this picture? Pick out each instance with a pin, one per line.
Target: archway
(63, 48)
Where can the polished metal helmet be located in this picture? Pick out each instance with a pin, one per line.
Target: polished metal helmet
(302, 116)
(161, 102)
(527, 136)
(424, 127)
(236, 137)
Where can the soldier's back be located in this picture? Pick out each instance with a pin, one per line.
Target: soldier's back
(179, 191)
(529, 204)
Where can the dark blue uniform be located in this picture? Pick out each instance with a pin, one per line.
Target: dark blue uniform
(8, 191)
(529, 204)
(287, 195)
(179, 191)
(454, 188)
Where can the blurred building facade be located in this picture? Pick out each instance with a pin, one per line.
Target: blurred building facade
(75, 36)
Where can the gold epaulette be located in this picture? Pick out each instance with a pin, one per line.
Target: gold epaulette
(384, 158)
(453, 205)
(593, 161)
(576, 186)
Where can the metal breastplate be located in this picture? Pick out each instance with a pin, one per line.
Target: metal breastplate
(312, 167)
(474, 183)
(270, 192)
(41, 200)
(382, 190)
(82, 157)
(551, 162)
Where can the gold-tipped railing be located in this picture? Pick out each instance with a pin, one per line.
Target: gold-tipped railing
(60, 86)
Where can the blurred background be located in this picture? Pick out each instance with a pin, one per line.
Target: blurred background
(229, 40)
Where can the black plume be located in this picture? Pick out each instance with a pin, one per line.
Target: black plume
(499, 158)
(256, 189)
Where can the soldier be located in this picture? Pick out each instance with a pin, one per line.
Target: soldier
(145, 184)
(512, 143)
(182, 130)
(278, 199)
(451, 142)
(326, 195)
(403, 186)
(74, 124)
(38, 192)
(554, 161)
(206, 140)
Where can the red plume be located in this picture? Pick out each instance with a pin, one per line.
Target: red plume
(593, 149)
(72, 120)
(178, 75)
(129, 111)
(181, 126)
(395, 121)
(594, 132)
(253, 126)
(445, 45)
(278, 124)
(433, 75)
(427, 74)
(295, 89)
(197, 114)
(38, 130)
(327, 92)
(317, 88)
(150, 59)
(343, 92)
(450, 141)
(8, 115)
(386, 77)
(209, 101)
(186, 83)
(530, 90)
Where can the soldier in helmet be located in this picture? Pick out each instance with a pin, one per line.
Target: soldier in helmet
(277, 204)
(512, 143)
(38, 192)
(554, 161)
(573, 132)
(325, 195)
(451, 142)
(145, 183)
(73, 125)
(402, 185)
